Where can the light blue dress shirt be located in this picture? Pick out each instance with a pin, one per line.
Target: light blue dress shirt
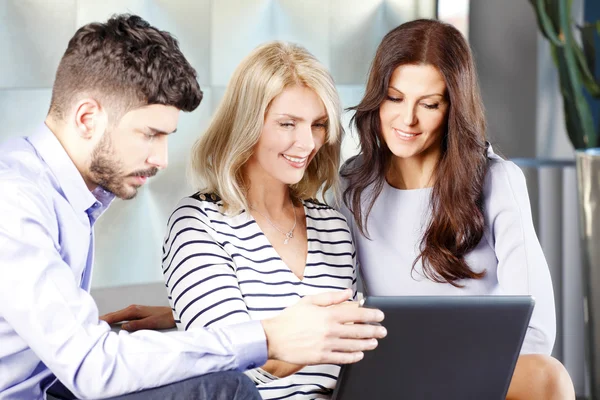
(49, 326)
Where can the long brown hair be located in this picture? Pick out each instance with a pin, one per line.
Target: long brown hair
(457, 221)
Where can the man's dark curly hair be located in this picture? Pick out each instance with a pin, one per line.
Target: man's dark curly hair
(124, 63)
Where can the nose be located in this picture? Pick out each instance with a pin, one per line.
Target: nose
(409, 118)
(305, 139)
(159, 157)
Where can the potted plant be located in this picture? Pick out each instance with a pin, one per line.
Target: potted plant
(580, 88)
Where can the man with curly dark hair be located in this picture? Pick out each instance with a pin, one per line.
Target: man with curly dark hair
(118, 92)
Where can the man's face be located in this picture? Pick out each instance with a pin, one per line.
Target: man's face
(134, 150)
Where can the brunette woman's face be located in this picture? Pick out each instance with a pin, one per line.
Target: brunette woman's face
(413, 116)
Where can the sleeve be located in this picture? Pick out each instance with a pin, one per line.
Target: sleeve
(40, 300)
(355, 278)
(199, 274)
(522, 267)
(357, 283)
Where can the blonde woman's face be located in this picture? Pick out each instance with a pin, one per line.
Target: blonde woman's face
(294, 130)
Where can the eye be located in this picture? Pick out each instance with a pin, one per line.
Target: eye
(394, 99)
(320, 125)
(287, 125)
(434, 106)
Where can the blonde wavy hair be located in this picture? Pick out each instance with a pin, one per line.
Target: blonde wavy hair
(219, 155)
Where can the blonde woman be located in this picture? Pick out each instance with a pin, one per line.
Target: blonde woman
(252, 241)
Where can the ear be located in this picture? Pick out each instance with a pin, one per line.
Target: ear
(90, 119)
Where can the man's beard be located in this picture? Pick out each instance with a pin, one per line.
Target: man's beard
(106, 170)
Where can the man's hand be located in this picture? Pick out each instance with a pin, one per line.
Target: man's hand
(323, 329)
(142, 317)
(281, 369)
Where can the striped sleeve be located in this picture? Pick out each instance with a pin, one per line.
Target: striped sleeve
(199, 274)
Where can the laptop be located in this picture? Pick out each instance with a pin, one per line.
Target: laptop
(440, 347)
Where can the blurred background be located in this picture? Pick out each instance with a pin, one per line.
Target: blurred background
(517, 75)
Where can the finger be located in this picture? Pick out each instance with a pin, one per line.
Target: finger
(130, 326)
(155, 322)
(329, 298)
(351, 312)
(139, 324)
(131, 312)
(106, 317)
(342, 358)
(113, 317)
(351, 345)
(359, 331)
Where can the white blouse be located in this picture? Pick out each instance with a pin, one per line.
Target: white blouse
(509, 252)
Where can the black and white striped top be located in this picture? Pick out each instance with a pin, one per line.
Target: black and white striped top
(221, 270)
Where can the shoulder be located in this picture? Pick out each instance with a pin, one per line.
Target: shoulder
(324, 215)
(20, 162)
(203, 206)
(503, 175)
(212, 198)
(316, 204)
(24, 200)
(22, 174)
(505, 188)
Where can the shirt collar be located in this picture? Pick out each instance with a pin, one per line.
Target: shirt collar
(69, 178)
(490, 152)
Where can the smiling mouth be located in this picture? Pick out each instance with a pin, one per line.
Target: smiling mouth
(296, 160)
(407, 135)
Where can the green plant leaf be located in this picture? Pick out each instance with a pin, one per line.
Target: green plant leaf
(572, 120)
(587, 57)
(586, 66)
(574, 78)
(578, 117)
(546, 12)
(575, 68)
(598, 129)
(552, 11)
(588, 33)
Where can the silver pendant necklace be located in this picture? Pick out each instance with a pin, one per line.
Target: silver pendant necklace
(289, 234)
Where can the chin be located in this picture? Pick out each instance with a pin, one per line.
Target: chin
(126, 193)
(404, 150)
(402, 153)
(129, 196)
(291, 179)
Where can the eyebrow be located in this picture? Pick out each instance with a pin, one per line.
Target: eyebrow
(422, 97)
(158, 131)
(296, 118)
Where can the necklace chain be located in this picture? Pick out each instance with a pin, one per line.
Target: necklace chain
(289, 234)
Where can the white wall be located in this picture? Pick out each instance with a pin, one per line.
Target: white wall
(214, 35)
(503, 35)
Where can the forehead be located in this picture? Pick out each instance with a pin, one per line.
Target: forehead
(298, 100)
(157, 116)
(418, 79)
